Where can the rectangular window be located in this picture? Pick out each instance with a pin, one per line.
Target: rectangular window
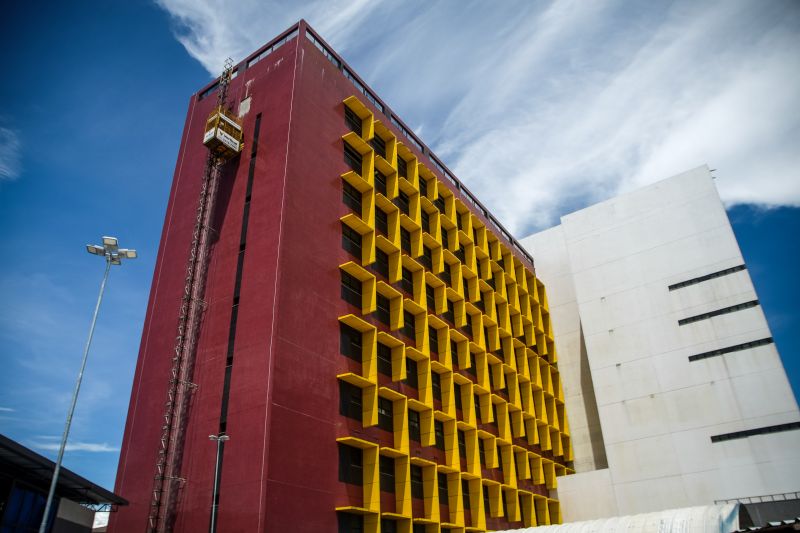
(461, 254)
(486, 504)
(348, 522)
(439, 203)
(430, 295)
(352, 120)
(381, 264)
(379, 145)
(417, 484)
(475, 235)
(480, 305)
(351, 241)
(407, 281)
(495, 415)
(445, 238)
(381, 221)
(351, 469)
(351, 289)
(350, 342)
(718, 312)
(409, 325)
(757, 431)
(405, 240)
(386, 466)
(448, 313)
(414, 432)
(402, 167)
(426, 221)
(350, 401)
(477, 408)
(384, 359)
(707, 277)
(436, 385)
(403, 202)
(352, 158)
(382, 309)
(380, 182)
(462, 444)
(433, 339)
(445, 276)
(385, 414)
(351, 197)
(482, 452)
(427, 257)
(465, 493)
(505, 505)
(388, 525)
(423, 186)
(438, 431)
(457, 394)
(443, 493)
(730, 349)
(412, 373)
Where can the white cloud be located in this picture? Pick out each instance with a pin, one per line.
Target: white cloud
(10, 157)
(543, 108)
(7, 410)
(76, 447)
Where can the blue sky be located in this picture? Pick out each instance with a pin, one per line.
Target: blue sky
(567, 103)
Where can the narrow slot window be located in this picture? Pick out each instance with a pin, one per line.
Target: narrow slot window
(417, 484)
(412, 373)
(382, 222)
(409, 325)
(414, 432)
(386, 467)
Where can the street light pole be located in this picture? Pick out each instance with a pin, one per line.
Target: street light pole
(113, 255)
(221, 438)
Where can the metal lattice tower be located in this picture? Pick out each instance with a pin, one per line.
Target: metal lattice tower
(167, 480)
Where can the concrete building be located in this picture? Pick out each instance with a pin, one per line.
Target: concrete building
(374, 344)
(676, 392)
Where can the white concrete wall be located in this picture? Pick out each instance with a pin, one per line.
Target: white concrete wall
(657, 410)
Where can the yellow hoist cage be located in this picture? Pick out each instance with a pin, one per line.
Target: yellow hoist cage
(223, 134)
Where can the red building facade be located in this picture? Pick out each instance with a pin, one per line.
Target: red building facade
(435, 286)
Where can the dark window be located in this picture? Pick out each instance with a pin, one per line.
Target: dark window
(351, 240)
(445, 276)
(407, 281)
(402, 202)
(482, 452)
(418, 528)
(388, 525)
(438, 432)
(350, 401)
(386, 466)
(381, 222)
(402, 168)
(352, 120)
(409, 325)
(384, 359)
(423, 186)
(475, 235)
(492, 282)
(413, 426)
(436, 385)
(454, 351)
(381, 264)
(486, 336)
(486, 505)
(426, 221)
(352, 158)
(757, 431)
(478, 408)
(405, 240)
(439, 203)
(467, 328)
(448, 313)
(730, 349)
(350, 465)
(385, 414)
(505, 505)
(472, 369)
(445, 238)
(379, 145)
(462, 444)
(707, 277)
(427, 257)
(495, 415)
(461, 254)
(443, 494)
(412, 373)
(351, 197)
(350, 342)
(480, 305)
(457, 394)
(459, 220)
(430, 294)
(350, 523)
(433, 339)
(465, 493)
(723, 311)
(382, 308)
(351, 289)
(380, 182)
(417, 484)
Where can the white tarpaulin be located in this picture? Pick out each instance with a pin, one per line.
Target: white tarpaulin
(706, 519)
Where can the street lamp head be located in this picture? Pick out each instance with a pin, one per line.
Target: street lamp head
(126, 253)
(110, 242)
(94, 249)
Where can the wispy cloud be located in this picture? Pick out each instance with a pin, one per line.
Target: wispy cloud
(76, 447)
(7, 410)
(545, 107)
(10, 154)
